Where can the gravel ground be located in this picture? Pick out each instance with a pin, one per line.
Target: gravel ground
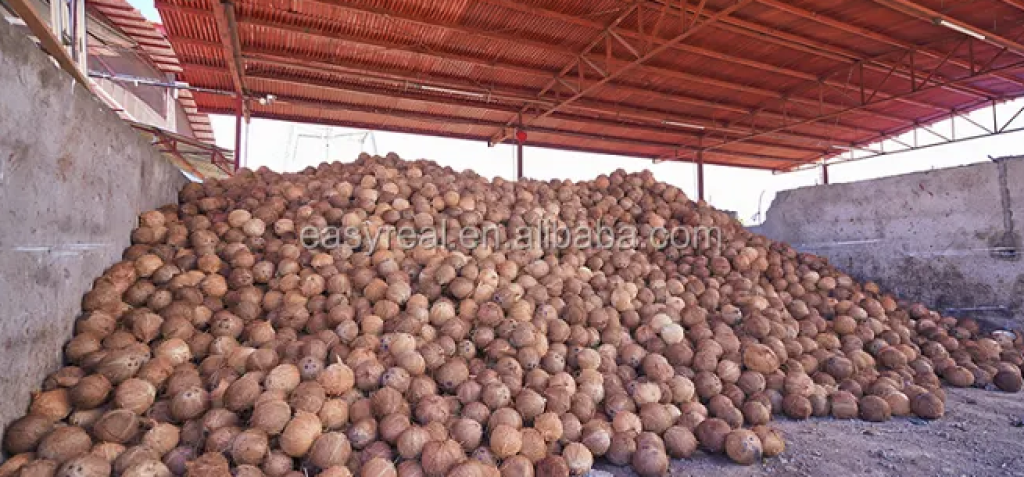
(982, 434)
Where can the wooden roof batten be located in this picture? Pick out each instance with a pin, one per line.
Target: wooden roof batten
(590, 75)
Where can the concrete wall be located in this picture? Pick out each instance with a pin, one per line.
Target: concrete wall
(73, 178)
(950, 238)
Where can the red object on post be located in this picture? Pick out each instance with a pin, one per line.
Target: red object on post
(520, 136)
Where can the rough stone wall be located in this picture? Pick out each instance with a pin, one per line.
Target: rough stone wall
(73, 179)
(950, 238)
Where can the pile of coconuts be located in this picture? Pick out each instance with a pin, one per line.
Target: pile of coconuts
(222, 346)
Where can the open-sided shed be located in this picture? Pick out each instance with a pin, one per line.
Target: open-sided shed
(771, 84)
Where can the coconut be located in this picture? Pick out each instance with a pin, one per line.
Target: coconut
(927, 406)
(300, 434)
(121, 364)
(517, 466)
(63, 444)
(271, 417)
(284, 377)
(552, 466)
(439, 457)
(336, 379)
(249, 447)
(467, 433)
(11, 466)
(211, 464)
(550, 426)
(277, 464)
(308, 396)
(162, 437)
(760, 358)
(650, 458)
(772, 443)
(24, 434)
(242, 393)
(248, 471)
(90, 391)
(711, 434)
(109, 451)
(177, 458)
(53, 405)
(133, 456)
(330, 449)
(680, 443)
(410, 444)
(743, 447)
(534, 447)
(578, 458)
(149, 468)
(899, 403)
(1008, 380)
(844, 405)
(87, 465)
(505, 441)
(756, 413)
(797, 406)
(135, 395)
(118, 426)
(874, 409)
(378, 467)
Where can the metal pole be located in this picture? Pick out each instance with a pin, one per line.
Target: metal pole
(700, 175)
(238, 133)
(700, 170)
(519, 159)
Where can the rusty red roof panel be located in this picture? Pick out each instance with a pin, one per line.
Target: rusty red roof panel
(753, 83)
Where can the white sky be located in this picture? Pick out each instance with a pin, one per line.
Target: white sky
(747, 192)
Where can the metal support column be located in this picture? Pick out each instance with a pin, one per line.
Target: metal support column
(700, 169)
(700, 175)
(238, 133)
(519, 160)
(824, 173)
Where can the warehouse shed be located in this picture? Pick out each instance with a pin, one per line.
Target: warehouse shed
(860, 303)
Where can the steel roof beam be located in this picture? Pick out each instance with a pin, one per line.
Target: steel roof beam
(467, 137)
(513, 5)
(577, 62)
(765, 33)
(615, 109)
(814, 104)
(796, 150)
(516, 40)
(1008, 68)
(694, 28)
(223, 14)
(921, 12)
(663, 96)
(313, 67)
(1018, 4)
(449, 119)
(879, 37)
(670, 97)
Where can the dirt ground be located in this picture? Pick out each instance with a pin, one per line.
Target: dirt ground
(982, 434)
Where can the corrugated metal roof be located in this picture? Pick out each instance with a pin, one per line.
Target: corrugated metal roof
(152, 43)
(754, 83)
